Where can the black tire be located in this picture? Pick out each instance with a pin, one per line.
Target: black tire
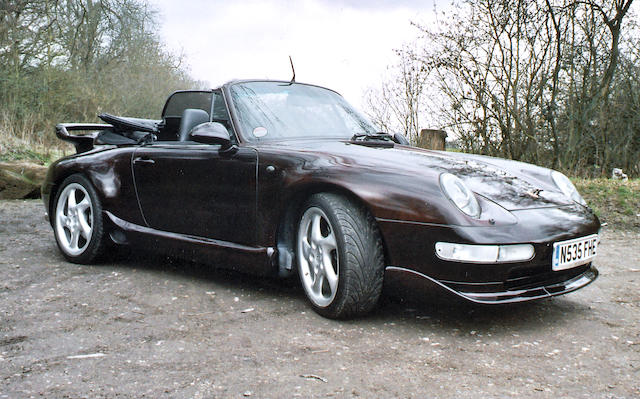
(358, 258)
(86, 250)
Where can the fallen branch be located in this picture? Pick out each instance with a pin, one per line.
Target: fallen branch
(313, 377)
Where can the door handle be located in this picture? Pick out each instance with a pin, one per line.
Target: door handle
(143, 160)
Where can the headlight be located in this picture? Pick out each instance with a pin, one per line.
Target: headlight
(567, 188)
(460, 194)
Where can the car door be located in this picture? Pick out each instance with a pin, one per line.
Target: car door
(194, 189)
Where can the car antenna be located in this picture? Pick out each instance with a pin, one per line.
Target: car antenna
(293, 79)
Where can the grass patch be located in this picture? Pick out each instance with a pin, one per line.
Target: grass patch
(614, 201)
(18, 154)
(21, 140)
(18, 150)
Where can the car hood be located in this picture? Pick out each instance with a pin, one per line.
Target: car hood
(512, 185)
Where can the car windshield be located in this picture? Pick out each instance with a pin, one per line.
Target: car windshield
(276, 110)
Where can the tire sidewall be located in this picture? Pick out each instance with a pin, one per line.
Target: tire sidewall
(94, 248)
(338, 301)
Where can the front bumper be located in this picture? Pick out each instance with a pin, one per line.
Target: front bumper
(578, 278)
(410, 250)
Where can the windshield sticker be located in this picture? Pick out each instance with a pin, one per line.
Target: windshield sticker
(260, 131)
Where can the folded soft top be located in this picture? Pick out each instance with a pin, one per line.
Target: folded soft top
(131, 124)
(122, 138)
(119, 131)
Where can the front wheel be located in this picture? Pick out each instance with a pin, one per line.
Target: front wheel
(339, 255)
(77, 220)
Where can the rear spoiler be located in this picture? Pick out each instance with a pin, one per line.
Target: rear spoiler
(83, 142)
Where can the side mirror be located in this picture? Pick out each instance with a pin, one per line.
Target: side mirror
(212, 133)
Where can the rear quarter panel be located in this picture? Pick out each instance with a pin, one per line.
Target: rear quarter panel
(109, 170)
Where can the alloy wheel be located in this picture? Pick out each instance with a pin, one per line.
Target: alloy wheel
(318, 260)
(74, 219)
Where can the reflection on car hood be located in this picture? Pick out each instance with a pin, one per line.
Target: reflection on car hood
(511, 184)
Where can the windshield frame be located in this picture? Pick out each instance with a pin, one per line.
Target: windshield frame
(247, 137)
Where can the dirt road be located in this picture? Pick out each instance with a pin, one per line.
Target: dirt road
(148, 326)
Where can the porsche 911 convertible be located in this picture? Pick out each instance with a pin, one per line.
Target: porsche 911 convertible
(284, 178)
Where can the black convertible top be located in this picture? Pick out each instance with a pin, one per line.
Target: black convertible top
(131, 124)
(119, 131)
(120, 138)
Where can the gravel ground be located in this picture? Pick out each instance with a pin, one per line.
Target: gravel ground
(149, 326)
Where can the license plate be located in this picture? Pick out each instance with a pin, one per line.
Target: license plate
(576, 252)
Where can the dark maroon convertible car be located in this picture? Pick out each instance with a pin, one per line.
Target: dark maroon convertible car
(282, 178)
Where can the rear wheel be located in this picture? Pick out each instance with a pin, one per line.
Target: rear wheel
(339, 255)
(77, 220)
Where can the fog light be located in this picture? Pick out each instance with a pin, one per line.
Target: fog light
(484, 253)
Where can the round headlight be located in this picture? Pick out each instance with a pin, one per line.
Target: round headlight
(567, 188)
(460, 194)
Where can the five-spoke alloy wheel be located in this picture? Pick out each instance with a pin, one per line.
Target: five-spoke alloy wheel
(77, 220)
(319, 259)
(339, 255)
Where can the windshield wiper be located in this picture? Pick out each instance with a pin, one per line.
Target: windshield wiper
(371, 136)
(378, 139)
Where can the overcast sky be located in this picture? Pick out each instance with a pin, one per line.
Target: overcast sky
(344, 45)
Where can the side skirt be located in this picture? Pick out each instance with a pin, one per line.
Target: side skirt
(254, 260)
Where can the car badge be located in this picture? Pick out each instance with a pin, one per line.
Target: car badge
(534, 193)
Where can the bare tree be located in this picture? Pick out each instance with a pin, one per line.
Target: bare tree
(534, 80)
(396, 104)
(69, 59)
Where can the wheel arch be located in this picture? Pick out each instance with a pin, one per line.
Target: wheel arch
(290, 212)
(56, 185)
